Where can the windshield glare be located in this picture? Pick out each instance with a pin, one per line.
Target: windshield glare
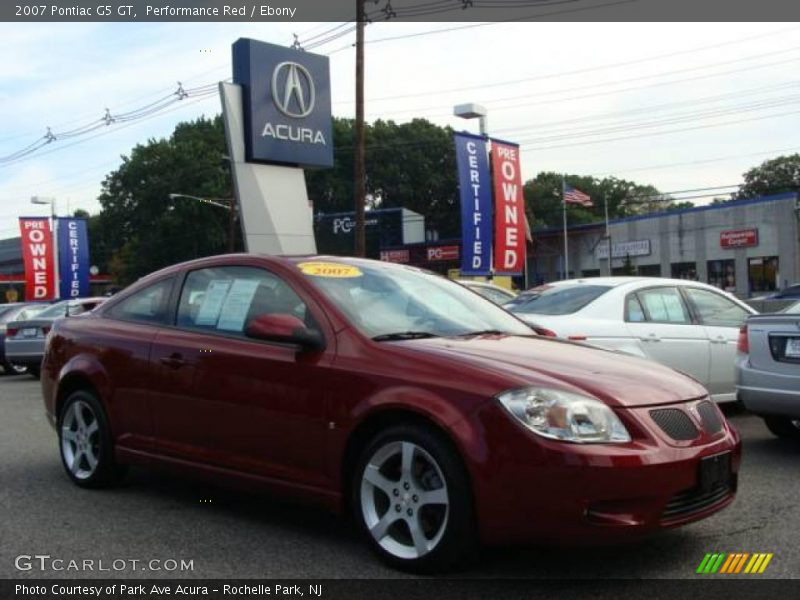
(561, 300)
(387, 299)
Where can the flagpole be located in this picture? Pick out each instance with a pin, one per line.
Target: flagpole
(566, 246)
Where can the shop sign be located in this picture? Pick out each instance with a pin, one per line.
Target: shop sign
(739, 238)
(623, 249)
(435, 253)
(395, 256)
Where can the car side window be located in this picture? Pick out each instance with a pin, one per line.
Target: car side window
(634, 313)
(716, 310)
(148, 305)
(664, 305)
(225, 299)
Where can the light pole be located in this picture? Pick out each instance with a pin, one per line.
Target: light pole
(226, 203)
(473, 111)
(54, 232)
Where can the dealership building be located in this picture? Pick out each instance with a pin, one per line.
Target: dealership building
(746, 247)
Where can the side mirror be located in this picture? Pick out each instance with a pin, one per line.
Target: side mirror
(284, 328)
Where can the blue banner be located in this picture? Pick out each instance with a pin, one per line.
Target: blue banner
(475, 185)
(73, 258)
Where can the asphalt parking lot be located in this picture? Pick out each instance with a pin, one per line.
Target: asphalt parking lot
(232, 534)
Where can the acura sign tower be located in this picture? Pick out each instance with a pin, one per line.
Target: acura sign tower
(277, 117)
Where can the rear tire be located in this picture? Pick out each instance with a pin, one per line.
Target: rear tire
(784, 427)
(413, 500)
(85, 442)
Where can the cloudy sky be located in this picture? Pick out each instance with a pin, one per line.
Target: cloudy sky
(680, 106)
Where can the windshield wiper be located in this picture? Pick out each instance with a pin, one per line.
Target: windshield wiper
(404, 335)
(484, 332)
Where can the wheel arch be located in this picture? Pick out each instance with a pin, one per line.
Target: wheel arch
(383, 418)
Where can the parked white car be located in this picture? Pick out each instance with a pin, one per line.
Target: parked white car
(686, 325)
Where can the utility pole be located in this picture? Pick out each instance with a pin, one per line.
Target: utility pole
(359, 183)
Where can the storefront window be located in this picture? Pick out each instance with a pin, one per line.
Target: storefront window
(722, 274)
(649, 270)
(684, 270)
(763, 274)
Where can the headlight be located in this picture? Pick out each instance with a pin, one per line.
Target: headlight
(564, 416)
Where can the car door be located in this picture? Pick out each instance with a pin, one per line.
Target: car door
(659, 318)
(235, 402)
(721, 318)
(129, 326)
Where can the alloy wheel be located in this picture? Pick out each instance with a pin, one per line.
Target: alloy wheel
(80, 440)
(404, 500)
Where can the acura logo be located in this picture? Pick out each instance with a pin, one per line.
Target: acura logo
(293, 90)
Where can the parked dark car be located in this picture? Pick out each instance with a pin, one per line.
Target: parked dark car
(24, 340)
(436, 417)
(9, 313)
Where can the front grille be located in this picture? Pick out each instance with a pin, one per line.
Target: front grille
(710, 417)
(675, 423)
(693, 501)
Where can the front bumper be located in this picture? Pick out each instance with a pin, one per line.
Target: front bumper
(528, 489)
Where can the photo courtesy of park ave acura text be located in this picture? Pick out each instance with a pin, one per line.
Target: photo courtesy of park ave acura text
(399, 298)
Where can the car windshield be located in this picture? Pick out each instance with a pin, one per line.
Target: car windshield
(559, 300)
(398, 302)
(59, 309)
(792, 309)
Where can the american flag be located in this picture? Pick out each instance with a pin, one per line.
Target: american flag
(575, 196)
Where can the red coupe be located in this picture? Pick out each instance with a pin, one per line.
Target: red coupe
(439, 419)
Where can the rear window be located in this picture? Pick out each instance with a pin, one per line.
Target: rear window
(561, 300)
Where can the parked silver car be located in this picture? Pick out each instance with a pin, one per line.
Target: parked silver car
(24, 340)
(768, 370)
(8, 314)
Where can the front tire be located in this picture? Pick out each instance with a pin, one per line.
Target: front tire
(85, 442)
(784, 427)
(413, 500)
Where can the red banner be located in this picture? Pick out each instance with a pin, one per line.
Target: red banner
(39, 258)
(395, 256)
(738, 238)
(509, 210)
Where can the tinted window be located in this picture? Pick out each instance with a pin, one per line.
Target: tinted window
(148, 305)
(716, 310)
(664, 305)
(224, 299)
(495, 296)
(561, 300)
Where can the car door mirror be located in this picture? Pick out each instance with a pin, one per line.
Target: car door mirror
(284, 328)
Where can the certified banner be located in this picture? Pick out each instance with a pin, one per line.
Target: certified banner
(509, 210)
(73, 257)
(476, 204)
(38, 256)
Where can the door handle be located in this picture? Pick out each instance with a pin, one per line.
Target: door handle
(651, 338)
(719, 340)
(174, 361)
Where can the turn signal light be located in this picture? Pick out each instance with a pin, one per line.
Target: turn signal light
(743, 343)
(577, 338)
(11, 331)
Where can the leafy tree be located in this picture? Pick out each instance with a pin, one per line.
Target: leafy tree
(140, 229)
(781, 174)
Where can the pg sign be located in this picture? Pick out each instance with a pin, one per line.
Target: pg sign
(287, 104)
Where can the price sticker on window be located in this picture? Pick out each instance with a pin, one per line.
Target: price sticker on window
(329, 269)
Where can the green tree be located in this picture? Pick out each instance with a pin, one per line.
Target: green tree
(140, 229)
(781, 174)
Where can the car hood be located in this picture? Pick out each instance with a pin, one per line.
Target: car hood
(616, 378)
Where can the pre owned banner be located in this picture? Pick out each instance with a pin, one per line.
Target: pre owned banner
(509, 210)
(476, 204)
(73, 257)
(39, 259)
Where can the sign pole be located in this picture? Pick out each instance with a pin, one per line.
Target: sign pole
(566, 245)
(360, 188)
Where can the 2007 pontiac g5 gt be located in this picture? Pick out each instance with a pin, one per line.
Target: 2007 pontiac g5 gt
(439, 419)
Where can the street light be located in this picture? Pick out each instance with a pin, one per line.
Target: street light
(46, 200)
(226, 203)
(472, 111)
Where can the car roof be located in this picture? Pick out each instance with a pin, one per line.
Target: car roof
(625, 280)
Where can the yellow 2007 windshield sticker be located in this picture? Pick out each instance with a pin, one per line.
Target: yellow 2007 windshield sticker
(329, 269)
